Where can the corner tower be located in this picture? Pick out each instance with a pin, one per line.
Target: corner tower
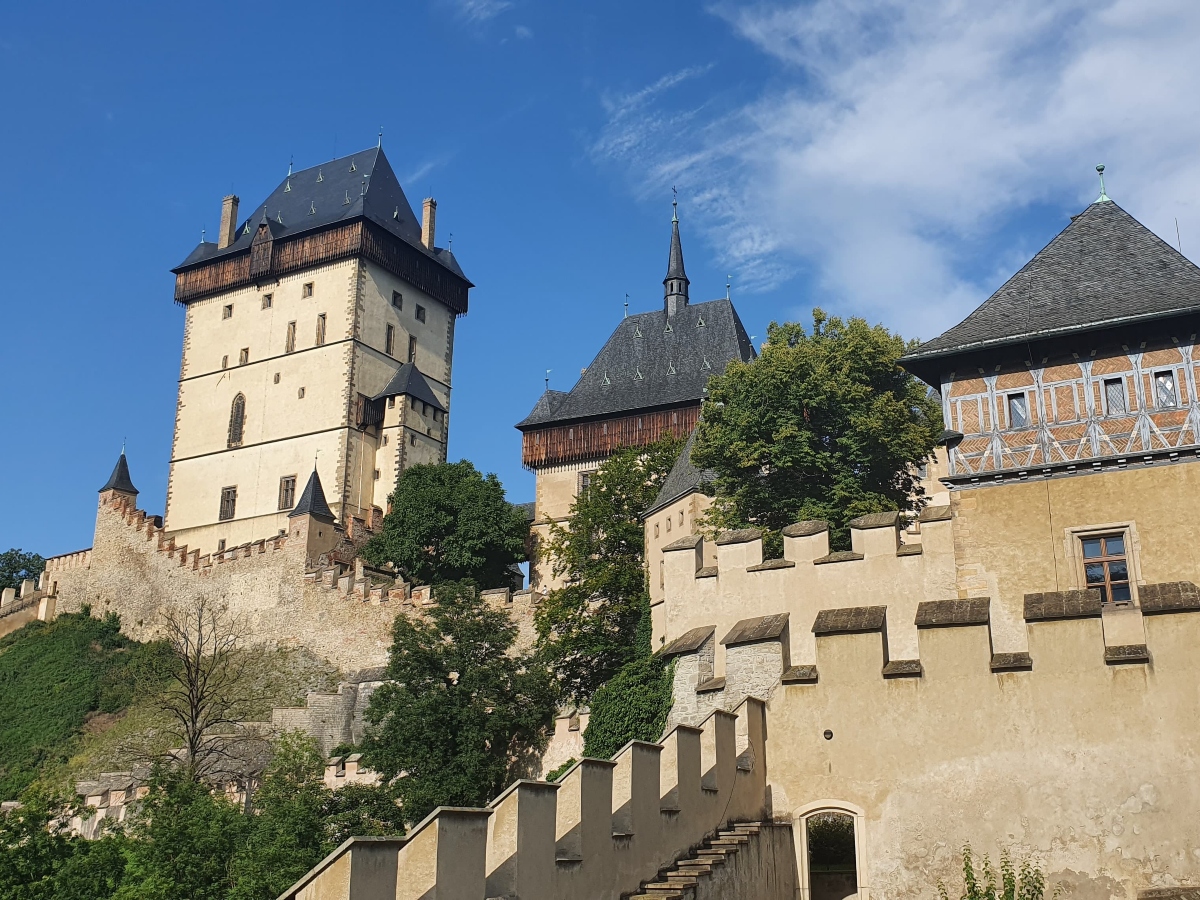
(319, 327)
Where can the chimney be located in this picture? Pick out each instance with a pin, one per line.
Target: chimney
(228, 231)
(428, 222)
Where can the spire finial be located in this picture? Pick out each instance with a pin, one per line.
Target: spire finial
(728, 285)
(203, 234)
(548, 371)
(290, 158)
(674, 204)
(1103, 198)
(450, 241)
(380, 142)
(122, 446)
(626, 306)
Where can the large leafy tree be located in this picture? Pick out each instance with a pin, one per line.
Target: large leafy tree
(450, 523)
(824, 424)
(461, 712)
(16, 565)
(588, 629)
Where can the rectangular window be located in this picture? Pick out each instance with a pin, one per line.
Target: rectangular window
(300, 394)
(228, 503)
(227, 312)
(221, 545)
(1106, 568)
(389, 341)
(287, 491)
(320, 329)
(307, 290)
(1018, 411)
(244, 356)
(277, 378)
(412, 349)
(585, 482)
(1165, 394)
(1114, 396)
(385, 440)
(412, 440)
(397, 300)
(376, 474)
(266, 301)
(420, 313)
(224, 362)
(289, 344)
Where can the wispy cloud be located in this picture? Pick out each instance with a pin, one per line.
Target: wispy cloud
(904, 136)
(478, 11)
(524, 32)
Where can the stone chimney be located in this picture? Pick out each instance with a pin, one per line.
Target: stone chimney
(428, 222)
(228, 233)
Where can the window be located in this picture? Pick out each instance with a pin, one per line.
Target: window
(1106, 567)
(221, 545)
(289, 343)
(300, 394)
(277, 378)
(307, 290)
(668, 524)
(656, 529)
(397, 300)
(420, 313)
(237, 420)
(412, 349)
(391, 402)
(228, 503)
(224, 362)
(1018, 411)
(320, 329)
(244, 356)
(385, 440)
(1114, 396)
(412, 440)
(389, 341)
(266, 301)
(227, 312)
(376, 474)
(1164, 389)
(585, 482)
(287, 491)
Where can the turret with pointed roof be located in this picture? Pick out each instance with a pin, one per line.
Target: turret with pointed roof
(675, 285)
(119, 480)
(312, 501)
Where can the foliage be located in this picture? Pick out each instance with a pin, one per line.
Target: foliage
(53, 676)
(633, 706)
(830, 839)
(557, 773)
(588, 629)
(460, 713)
(822, 425)
(1024, 882)
(16, 565)
(450, 523)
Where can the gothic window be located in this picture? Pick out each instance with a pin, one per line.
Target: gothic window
(287, 491)
(1114, 396)
(237, 419)
(228, 503)
(1018, 411)
(1165, 394)
(320, 329)
(1106, 567)
(289, 344)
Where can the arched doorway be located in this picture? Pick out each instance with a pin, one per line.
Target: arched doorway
(829, 844)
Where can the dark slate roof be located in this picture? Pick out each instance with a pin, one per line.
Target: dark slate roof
(203, 251)
(643, 365)
(119, 480)
(409, 381)
(683, 479)
(527, 509)
(1104, 268)
(312, 501)
(359, 185)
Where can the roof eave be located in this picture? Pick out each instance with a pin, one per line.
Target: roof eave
(614, 414)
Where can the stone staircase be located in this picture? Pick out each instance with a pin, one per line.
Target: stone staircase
(689, 878)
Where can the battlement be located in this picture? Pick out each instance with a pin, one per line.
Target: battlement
(604, 829)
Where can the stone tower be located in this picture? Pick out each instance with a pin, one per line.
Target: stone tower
(319, 328)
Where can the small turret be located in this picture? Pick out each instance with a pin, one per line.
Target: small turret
(119, 481)
(675, 285)
(311, 524)
(312, 501)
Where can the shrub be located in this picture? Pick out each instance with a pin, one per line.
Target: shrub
(1017, 882)
(632, 706)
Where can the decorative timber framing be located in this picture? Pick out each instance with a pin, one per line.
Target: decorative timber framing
(269, 258)
(573, 442)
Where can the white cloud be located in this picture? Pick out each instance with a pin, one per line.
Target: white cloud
(477, 11)
(902, 136)
(524, 32)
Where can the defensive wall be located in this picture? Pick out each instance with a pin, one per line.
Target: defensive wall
(933, 722)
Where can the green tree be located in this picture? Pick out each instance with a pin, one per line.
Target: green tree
(632, 706)
(461, 713)
(34, 847)
(822, 425)
(450, 523)
(588, 629)
(17, 565)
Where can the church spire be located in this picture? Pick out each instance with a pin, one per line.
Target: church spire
(675, 285)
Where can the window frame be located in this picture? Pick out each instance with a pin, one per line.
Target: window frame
(322, 324)
(287, 492)
(1073, 547)
(289, 339)
(226, 311)
(228, 501)
(1154, 380)
(389, 339)
(1105, 384)
(397, 300)
(412, 349)
(244, 356)
(268, 300)
(307, 290)
(1009, 400)
(1104, 559)
(237, 422)
(420, 313)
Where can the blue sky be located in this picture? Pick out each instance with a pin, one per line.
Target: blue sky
(886, 159)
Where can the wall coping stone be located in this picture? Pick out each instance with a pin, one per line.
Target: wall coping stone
(689, 641)
(876, 520)
(935, 514)
(1181, 892)
(741, 536)
(910, 550)
(1171, 596)
(752, 631)
(1126, 653)
(903, 668)
(1011, 662)
(769, 564)
(1084, 604)
(837, 556)
(713, 684)
(707, 572)
(850, 620)
(687, 542)
(800, 675)
(806, 529)
(945, 613)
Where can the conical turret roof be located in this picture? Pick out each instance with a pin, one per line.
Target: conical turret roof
(312, 501)
(119, 480)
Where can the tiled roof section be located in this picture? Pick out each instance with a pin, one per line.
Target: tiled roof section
(119, 480)
(312, 501)
(683, 479)
(652, 360)
(527, 509)
(1104, 268)
(544, 409)
(409, 381)
(360, 185)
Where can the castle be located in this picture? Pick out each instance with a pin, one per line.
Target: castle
(1012, 667)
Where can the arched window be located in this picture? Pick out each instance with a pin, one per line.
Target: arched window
(237, 418)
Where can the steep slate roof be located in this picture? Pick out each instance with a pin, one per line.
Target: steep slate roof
(1105, 268)
(683, 479)
(409, 381)
(359, 185)
(312, 501)
(644, 365)
(119, 480)
(675, 259)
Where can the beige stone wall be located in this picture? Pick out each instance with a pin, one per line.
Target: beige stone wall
(666, 526)
(555, 490)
